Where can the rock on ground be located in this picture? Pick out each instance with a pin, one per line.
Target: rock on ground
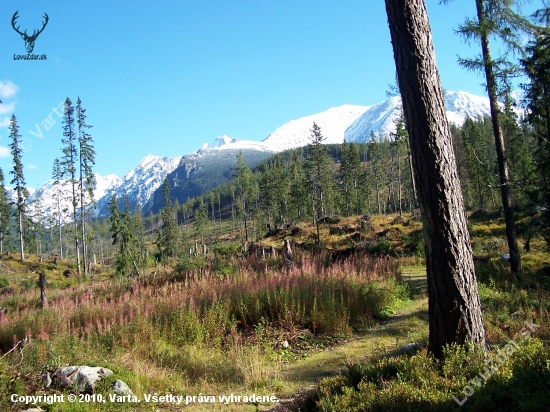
(120, 388)
(83, 377)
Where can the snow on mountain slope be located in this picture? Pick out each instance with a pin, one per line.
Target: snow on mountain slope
(207, 168)
(352, 122)
(228, 143)
(460, 105)
(380, 119)
(333, 123)
(140, 183)
(357, 123)
(12, 195)
(43, 202)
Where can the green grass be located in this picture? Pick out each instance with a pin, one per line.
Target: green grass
(197, 329)
(217, 325)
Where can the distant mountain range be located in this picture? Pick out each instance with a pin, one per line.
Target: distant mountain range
(196, 173)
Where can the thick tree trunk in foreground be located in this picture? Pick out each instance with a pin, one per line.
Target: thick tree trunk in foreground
(511, 236)
(454, 307)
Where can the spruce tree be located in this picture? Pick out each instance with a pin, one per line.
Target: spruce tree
(116, 229)
(139, 230)
(495, 17)
(319, 177)
(243, 192)
(57, 178)
(169, 231)
(297, 190)
(280, 187)
(68, 164)
(478, 166)
(267, 193)
(86, 158)
(350, 172)
(18, 181)
(201, 219)
(537, 95)
(375, 165)
(520, 154)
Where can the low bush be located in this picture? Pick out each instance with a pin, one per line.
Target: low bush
(421, 383)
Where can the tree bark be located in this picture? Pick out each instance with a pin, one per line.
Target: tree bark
(20, 230)
(454, 307)
(511, 236)
(42, 285)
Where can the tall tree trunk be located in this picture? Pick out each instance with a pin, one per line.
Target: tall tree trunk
(20, 232)
(82, 222)
(84, 243)
(75, 231)
(515, 259)
(399, 180)
(59, 223)
(454, 307)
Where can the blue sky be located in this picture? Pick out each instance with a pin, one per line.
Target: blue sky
(164, 77)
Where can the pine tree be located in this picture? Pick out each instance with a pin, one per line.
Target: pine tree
(4, 212)
(350, 173)
(243, 191)
(201, 219)
(297, 191)
(453, 302)
(537, 95)
(86, 153)
(478, 166)
(375, 165)
(139, 230)
(280, 187)
(18, 181)
(68, 164)
(495, 17)
(266, 192)
(57, 177)
(319, 177)
(520, 156)
(169, 231)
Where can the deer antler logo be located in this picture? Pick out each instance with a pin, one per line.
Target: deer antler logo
(29, 40)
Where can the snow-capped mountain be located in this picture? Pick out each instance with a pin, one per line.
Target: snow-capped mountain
(461, 105)
(333, 123)
(208, 167)
(228, 143)
(42, 203)
(140, 183)
(12, 195)
(379, 120)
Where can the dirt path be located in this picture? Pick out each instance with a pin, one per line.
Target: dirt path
(387, 337)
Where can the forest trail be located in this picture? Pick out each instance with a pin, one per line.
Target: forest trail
(409, 325)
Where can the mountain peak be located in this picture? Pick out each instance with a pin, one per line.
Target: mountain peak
(222, 141)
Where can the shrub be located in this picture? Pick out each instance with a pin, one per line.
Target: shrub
(4, 282)
(421, 383)
(382, 246)
(414, 243)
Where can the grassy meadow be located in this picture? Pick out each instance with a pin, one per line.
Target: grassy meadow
(323, 332)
